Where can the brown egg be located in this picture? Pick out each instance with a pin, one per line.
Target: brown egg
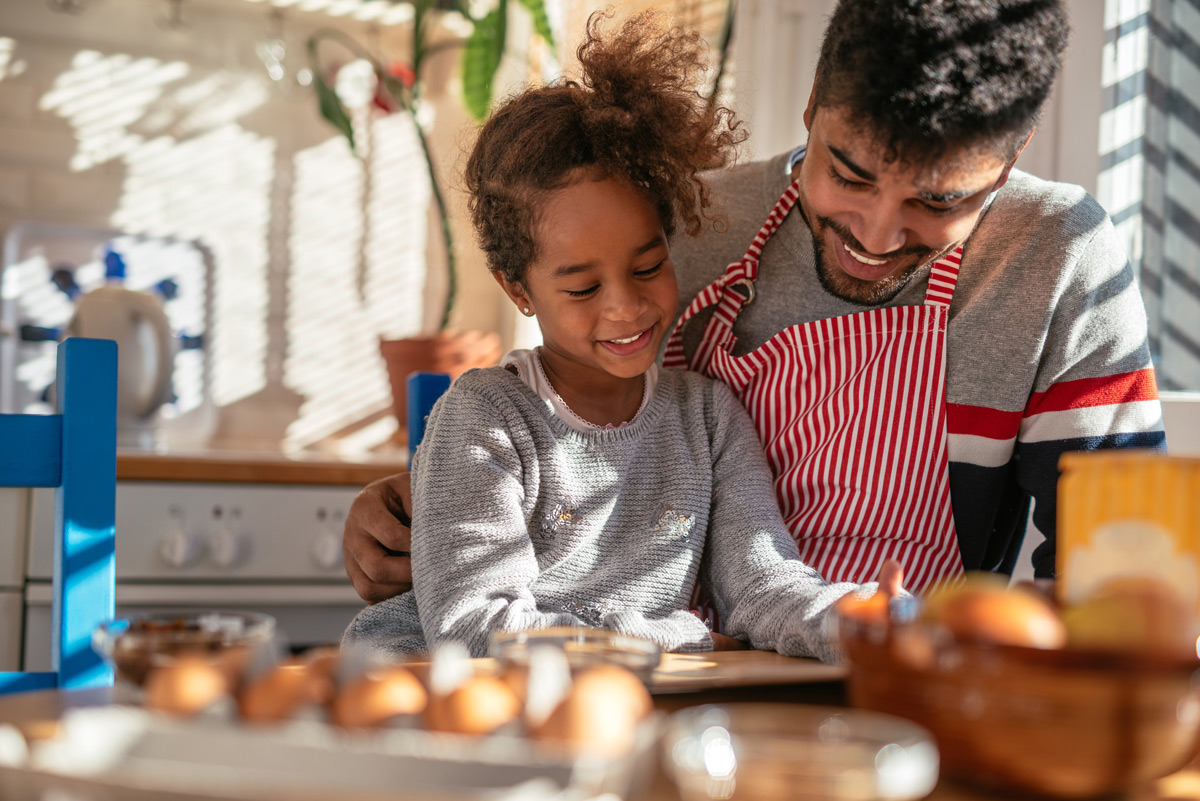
(279, 693)
(322, 668)
(985, 609)
(377, 696)
(185, 686)
(600, 714)
(480, 705)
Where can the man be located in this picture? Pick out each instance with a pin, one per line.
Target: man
(918, 329)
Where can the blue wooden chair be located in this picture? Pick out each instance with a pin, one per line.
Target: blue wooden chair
(75, 451)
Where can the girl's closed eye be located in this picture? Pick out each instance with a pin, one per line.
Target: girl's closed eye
(582, 293)
(649, 271)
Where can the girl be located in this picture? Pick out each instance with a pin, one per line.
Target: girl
(578, 484)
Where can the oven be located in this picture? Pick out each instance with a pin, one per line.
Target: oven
(256, 535)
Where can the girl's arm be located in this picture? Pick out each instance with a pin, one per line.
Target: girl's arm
(752, 567)
(473, 560)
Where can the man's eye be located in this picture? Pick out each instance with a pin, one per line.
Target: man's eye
(649, 271)
(845, 182)
(582, 293)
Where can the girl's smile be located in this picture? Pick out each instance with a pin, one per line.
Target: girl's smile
(604, 292)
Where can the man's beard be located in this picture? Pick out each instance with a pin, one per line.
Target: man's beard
(855, 290)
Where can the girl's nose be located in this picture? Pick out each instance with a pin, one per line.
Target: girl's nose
(624, 301)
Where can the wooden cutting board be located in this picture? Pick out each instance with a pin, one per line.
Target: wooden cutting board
(681, 673)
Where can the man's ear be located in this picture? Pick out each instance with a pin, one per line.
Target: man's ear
(516, 293)
(811, 108)
(1003, 179)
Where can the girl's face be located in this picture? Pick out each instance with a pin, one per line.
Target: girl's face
(602, 287)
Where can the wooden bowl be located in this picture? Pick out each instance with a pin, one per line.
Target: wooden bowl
(1064, 723)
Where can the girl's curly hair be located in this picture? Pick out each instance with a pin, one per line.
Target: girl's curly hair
(634, 114)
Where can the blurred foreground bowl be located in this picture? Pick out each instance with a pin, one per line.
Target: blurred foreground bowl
(1066, 722)
(584, 648)
(135, 644)
(767, 752)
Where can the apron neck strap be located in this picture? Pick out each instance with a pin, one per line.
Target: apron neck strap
(943, 277)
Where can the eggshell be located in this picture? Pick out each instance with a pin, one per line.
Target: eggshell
(480, 705)
(377, 696)
(279, 693)
(185, 686)
(600, 714)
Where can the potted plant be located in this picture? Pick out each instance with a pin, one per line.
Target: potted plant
(398, 88)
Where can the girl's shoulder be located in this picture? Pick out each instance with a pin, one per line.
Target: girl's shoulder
(497, 386)
(690, 388)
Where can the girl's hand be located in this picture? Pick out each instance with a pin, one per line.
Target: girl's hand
(891, 578)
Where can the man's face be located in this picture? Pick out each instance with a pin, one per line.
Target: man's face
(874, 224)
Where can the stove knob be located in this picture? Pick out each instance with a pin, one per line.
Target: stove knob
(227, 548)
(179, 549)
(326, 550)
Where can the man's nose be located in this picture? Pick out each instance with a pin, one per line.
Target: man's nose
(879, 231)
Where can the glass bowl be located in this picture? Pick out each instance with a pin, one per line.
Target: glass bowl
(584, 647)
(133, 645)
(769, 751)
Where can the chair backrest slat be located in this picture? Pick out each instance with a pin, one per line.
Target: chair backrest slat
(85, 510)
(30, 450)
(76, 452)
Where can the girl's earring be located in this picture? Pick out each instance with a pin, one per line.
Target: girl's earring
(526, 310)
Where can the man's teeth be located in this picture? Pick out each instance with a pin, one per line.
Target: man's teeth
(864, 259)
(626, 341)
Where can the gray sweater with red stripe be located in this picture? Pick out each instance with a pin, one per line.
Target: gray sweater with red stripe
(1046, 348)
(520, 522)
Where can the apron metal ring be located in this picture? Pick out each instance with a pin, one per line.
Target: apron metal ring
(747, 296)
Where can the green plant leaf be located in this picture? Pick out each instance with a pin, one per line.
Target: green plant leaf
(332, 110)
(481, 59)
(541, 23)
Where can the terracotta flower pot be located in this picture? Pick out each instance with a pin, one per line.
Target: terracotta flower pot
(452, 352)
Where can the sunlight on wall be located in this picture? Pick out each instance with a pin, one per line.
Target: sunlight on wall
(214, 188)
(9, 67)
(383, 12)
(191, 172)
(103, 96)
(351, 284)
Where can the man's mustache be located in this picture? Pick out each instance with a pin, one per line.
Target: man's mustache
(848, 238)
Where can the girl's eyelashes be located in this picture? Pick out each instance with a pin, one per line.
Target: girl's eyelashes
(649, 272)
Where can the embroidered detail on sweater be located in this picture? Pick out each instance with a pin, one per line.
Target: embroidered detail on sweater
(673, 525)
(591, 614)
(562, 513)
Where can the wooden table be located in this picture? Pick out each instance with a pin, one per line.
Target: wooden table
(680, 681)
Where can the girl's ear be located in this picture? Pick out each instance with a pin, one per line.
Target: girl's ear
(516, 293)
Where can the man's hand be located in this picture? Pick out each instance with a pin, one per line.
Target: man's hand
(722, 642)
(376, 540)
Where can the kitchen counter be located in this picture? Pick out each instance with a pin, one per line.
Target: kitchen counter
(253, 468)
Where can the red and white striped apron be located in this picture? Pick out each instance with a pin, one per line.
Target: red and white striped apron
(852, 414)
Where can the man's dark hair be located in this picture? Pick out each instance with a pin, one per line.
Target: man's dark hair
(927, 75)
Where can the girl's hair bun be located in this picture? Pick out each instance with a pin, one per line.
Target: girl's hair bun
(634, 113)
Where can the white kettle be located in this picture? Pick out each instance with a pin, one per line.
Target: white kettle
(137, 322)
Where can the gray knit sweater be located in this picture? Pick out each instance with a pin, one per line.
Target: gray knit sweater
(520, 522)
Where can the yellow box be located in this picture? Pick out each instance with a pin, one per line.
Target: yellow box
(1128, 514)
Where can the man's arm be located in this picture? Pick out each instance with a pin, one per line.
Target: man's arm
(376, 540)
(1095, 386)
